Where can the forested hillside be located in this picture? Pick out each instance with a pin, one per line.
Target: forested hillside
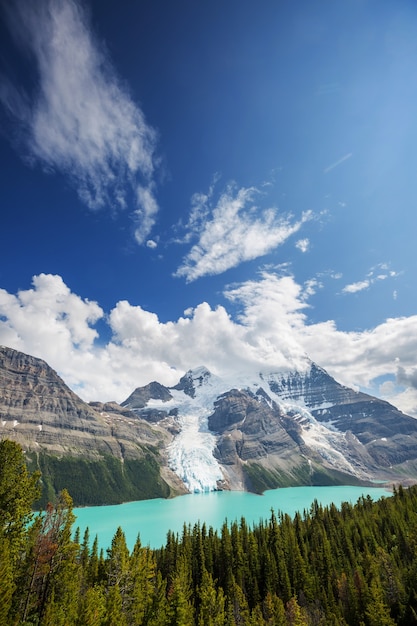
(357, 565)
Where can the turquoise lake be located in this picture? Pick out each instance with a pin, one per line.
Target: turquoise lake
(152, 519)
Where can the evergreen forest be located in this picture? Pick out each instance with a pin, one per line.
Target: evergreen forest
(326, 566)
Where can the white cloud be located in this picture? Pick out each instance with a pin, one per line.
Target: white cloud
(145, 213)
(402, 391)
(355, 287)
(235, 230)
(272, 331)
(303, 245)
(50, 322)
(375, 274)
(82, 121)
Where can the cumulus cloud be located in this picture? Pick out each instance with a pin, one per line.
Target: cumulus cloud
(271, 332)
(407, 378)
(81, 121)
(50, 322)
(233, 231)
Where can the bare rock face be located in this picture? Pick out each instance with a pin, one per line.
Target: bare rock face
(260, 427)
(138, 400)
(30, 388)
(192, 380)
(254, 434)
(40, 412)
(141, 396)
(37, 408)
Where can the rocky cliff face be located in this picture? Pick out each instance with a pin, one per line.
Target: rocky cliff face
(40, 412)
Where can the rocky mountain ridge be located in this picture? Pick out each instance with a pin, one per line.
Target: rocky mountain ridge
(253, 431)
(279, 428)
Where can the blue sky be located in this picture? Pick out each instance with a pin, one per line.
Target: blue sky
(220, 183)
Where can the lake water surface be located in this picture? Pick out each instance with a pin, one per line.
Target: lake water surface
(153, 518)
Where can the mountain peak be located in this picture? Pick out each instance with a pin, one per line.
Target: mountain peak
(141, 396)
(193, 379)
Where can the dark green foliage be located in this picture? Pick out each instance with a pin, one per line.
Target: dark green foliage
(105, 481)
(18, 490)
(325, 567)
(258, 478)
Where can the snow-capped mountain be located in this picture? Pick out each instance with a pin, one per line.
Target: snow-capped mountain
(274, 428)
(249, 431)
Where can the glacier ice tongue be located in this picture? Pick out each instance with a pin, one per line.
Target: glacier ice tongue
(191, 452)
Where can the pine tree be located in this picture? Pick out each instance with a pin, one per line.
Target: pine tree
(114, 609)
(18, 491)
(256, 617)
(93, 607)
(180, 607)
(211, 603)
(240, 605)
(7, 584)
(159, 612)
(142, 584)
(91, 569)
(51, 560)
(294, 614)
(118, 560)
(118, 571)
(377, 611)
(273, 611)
(84, 548)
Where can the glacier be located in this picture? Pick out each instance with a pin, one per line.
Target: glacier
(190, 455)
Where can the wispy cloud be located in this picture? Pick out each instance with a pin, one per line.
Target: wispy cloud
(331, 167)
(233, 231)
(375, 274)
(81, 121)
